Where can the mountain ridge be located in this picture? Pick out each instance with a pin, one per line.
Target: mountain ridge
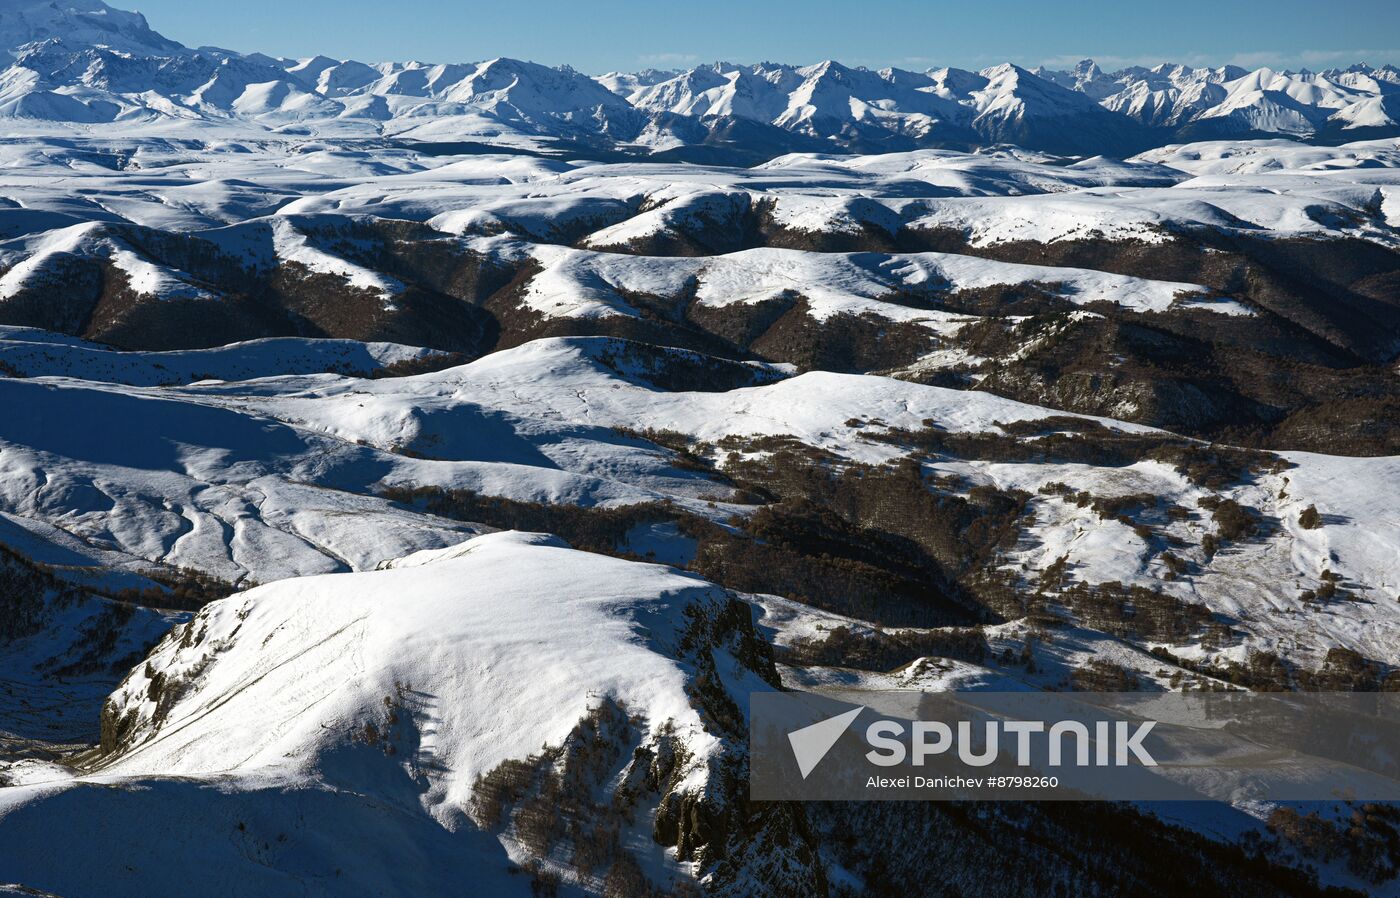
(75, 64)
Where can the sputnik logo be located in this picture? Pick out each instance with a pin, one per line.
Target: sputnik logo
(811, 743)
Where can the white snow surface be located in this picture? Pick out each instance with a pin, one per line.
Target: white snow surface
(265, 462)
(76, 64)
(30, 352)
(460, 624)
(580, 284)
(270, 478)
(61, 198)
(280, 681)
(264, 203)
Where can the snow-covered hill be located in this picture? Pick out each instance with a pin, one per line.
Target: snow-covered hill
(914, 262)
(325, 733)
(27, 352)
(303, 503)
(399, 708)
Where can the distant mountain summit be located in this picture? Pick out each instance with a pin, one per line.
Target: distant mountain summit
(79, 63)
(85, 22)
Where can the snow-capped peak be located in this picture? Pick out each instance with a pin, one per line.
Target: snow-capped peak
(82, 62)
(79, 22)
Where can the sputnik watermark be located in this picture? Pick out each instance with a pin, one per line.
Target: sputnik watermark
(1113, 743)
(811, 743)
(934, 737)
(1073, 746)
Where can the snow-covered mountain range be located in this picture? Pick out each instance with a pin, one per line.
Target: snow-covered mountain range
(78, 63)
(409, 472)
(921, 420)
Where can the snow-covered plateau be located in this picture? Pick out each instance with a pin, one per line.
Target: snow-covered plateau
(408, 472)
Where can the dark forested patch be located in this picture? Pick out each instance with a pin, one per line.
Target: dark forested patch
(26, 590)
(1013, 849)
(590, 529)
(892, 544)
(180, 589)
(1341, 670)
(883, 543)
(1069, 440)
(1310, 368)
(884, 650)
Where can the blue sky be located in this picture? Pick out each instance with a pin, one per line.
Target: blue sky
(602, 35)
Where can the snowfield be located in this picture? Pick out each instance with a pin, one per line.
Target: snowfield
(545, 422)
(1256, 584)
(281, 680)
(29, 352)
(1279, 187)
(264, 464)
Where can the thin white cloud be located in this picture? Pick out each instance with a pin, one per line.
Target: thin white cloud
(668, 59)
(1314, 59)
(1109, 61)
(1346, 57)
(1253, 59)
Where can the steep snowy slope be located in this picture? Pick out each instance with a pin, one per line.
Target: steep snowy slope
(1229, 101)
(64, 651)
(80, 22)
(307, 734)
(1014, 106)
